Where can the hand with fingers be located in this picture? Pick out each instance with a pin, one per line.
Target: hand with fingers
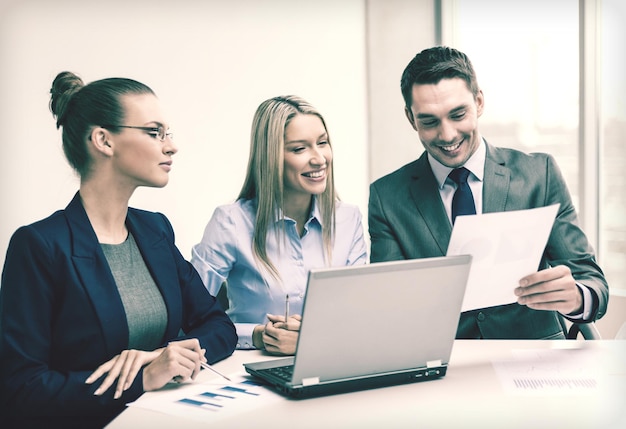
(292, 324)
(179, 361)
(124, 367)
(280, 336)
(550, 289)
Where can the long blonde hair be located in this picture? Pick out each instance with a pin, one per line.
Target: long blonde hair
(264, 177)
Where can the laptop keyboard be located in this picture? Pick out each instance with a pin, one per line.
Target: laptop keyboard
(282, 372)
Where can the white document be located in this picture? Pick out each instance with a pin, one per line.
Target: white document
(545, 372)
(505, 247)
(208, 402)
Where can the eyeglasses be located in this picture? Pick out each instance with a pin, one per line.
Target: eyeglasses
(156, 132)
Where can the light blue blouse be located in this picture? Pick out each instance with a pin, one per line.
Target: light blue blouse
(225, 254)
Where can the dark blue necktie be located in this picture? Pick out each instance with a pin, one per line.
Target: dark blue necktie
(463, 200)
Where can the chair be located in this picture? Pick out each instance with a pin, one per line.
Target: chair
(621, 334)
(589, 331)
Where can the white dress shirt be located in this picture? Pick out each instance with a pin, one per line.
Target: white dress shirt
(225, 254)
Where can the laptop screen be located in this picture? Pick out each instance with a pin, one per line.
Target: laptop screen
(381, 317)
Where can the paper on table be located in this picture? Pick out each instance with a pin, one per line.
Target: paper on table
(573, 371)
(505, 247)
(208, 402)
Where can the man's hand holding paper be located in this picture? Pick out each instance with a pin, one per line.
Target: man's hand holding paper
(550, 289)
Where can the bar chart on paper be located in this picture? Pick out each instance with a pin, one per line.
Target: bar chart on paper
(220, 398)
(208, 402)
(555, 383)
(547, 371)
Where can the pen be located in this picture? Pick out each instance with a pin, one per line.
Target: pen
(286, 311)
(209, 367)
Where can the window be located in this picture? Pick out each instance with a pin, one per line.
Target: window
(612, 212)
(526, 58)
(526, 55)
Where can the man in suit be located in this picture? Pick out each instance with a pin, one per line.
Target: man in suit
(411, 209)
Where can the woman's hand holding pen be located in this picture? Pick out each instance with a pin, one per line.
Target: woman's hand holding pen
(280, 337)
(293, 321)
(180, 360)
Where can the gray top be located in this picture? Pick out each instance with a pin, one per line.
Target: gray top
(145, 309)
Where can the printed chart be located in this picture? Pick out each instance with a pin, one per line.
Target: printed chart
(538, 372)
(209, 401)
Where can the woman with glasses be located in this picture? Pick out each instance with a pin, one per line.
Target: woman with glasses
(97, 305)
(286, 220)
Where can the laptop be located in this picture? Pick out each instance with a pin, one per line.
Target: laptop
(370, 326)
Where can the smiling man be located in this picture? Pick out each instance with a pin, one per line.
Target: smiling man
(412, 210)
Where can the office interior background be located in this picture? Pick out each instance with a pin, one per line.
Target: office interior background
(552, 73)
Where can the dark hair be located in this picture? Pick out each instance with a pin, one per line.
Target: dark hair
(433, 64)
(78, 107)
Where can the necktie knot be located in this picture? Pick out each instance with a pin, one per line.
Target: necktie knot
(459, 175)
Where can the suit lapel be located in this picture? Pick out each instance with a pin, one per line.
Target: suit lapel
(496, 182)
(97, 280)
(424, 188)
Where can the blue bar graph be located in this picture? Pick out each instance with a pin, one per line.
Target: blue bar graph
(216, 395)
(238, 390)
(205, 405)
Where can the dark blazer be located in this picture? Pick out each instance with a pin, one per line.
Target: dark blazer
(61, 316)
(407, 220)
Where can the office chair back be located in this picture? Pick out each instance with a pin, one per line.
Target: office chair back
(589, 331)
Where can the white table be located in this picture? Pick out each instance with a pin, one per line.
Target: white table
(471, 395)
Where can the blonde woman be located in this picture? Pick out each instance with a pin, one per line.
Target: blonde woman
(286, 220)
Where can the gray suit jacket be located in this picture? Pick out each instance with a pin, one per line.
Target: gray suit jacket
(407, 220)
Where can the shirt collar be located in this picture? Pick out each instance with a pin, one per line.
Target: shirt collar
(315, 211)
(314, 214)
(475, 164)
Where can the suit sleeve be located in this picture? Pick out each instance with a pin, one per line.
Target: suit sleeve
(40, 375)
(568, 244)
(384, 244)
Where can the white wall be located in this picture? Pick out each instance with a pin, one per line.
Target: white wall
(396, 31)
(211, 62)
